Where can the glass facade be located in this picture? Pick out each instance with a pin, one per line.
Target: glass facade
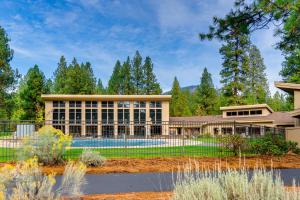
(108, 118)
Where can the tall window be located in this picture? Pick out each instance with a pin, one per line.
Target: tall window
(75, 118)
(91, 118)
(59, 115)
(155, 117)
(139, 117)
(123, 117)
(107, 118)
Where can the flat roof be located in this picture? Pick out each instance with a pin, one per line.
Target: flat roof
(242, 107)
(287, 87)
(80, 97)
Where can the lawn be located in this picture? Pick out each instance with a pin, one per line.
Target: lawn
(5, 134)
(9, 154)
(197, 151)
(208, 139)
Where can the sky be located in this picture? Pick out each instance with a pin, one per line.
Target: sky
(102, 31)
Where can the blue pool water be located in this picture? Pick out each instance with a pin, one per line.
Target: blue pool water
(114, 142)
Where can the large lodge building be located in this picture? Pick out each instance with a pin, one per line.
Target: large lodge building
(148, 115)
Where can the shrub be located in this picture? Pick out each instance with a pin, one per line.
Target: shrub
(273, 144)
(27, 182)
(92, 158)
(231, 185)
(236, 143)
(48, 145)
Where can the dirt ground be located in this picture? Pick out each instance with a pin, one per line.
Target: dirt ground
(133, 165)
(131, 196)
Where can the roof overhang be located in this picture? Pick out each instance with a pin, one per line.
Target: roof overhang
(287, 87)
(295, 113)
(242, 107)
(64, 97)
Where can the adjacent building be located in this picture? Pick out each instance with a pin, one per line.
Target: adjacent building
(245, 119)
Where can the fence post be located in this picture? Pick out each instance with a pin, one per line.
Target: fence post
(182, 149)
(125, 139)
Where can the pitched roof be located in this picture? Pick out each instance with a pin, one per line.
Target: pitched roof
(287, 87)
(278, 118)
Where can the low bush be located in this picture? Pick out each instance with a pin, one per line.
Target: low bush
(92, 158)
(273, 144)
(231, 185)
(26, 181)
(236, 143)
(48, 145)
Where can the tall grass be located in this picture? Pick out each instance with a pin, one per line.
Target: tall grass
(243, 184)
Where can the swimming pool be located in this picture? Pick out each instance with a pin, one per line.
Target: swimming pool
(115, 142)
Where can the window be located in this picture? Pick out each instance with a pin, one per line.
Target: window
(255, 112)
(155, 104)
(155, 115)
(226, 130)
(123, 116)
(107, 116)
(75, 104)
(58, 104)
(231, 113)
(91, 116)
(139, 104)
(107, 104)
(139, 116)
(91, 104)
(123, 104)
(243, 113)
(75, 116)
(59, 116)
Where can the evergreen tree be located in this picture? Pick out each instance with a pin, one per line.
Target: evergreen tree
(33, 86)
(178, 105)
(126, 84)
(60, 77)
(100, 89)
(115, 80)
(88, 80)
(151, 86)
(138, 73)
(235, 67)
(280, 102)
(257, 89)
(8, 76)
(206, 95)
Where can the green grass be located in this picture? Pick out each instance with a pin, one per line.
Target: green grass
(5, 134)
(194, 151)
(208, 139)
(9, 154)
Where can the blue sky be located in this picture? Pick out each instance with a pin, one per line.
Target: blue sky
(102, 31)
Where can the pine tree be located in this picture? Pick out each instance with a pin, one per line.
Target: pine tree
(235, 67)
(60, 76)
(8, 76)
(100, 89)
(151, 86)
(126, 84)
(138, 73)
(206, 95)
(34, 85)
(178, 105)
(280, 102)
(256, 84)
(87, 80)
(114, 81)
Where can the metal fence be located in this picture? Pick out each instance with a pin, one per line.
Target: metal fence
(133, 139)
